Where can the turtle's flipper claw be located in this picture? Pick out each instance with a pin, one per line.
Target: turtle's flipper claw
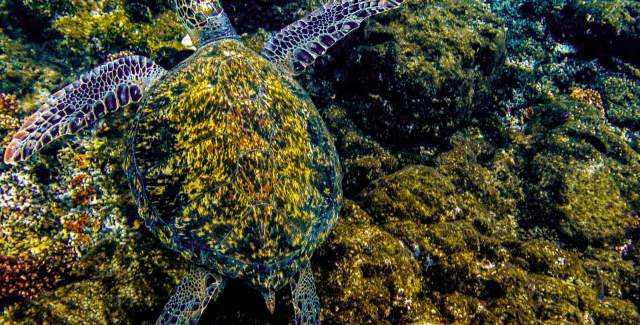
(305, 300)
(187, 304)
(100, 91)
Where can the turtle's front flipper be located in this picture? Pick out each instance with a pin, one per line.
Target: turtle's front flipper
(305, 300)
(299, 44)
(191, 298)
(100, 91)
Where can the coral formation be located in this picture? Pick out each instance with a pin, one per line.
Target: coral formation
(363, 159)
(122, 281)
(588, 96)
(477, 261)
(373, 278)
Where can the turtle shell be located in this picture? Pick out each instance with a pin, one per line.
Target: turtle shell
(231, 164)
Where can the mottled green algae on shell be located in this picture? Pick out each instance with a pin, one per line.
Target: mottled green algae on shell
(231, 152)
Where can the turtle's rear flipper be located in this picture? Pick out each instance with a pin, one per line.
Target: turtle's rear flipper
(100, 91)
(299, 44)
(305, 300)
(191, 298)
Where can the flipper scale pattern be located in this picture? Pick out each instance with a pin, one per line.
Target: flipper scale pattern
(298, 45)
(96, 93)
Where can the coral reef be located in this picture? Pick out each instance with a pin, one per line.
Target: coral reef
(373, 278)
(577, 173)
(477, 261)
(363, 159)
(124, 282)
(249, 16)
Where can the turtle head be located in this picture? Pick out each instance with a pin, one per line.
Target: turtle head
(205, 20)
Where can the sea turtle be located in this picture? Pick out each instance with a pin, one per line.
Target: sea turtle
(229, 161)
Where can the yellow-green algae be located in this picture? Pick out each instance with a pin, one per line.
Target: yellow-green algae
(579, 171)
(232, 153)
(478, 262)
(622, 96)
(372, 278)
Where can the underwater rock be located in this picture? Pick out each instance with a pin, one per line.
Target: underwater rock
(121, 282)
(8, 116)
(412, 80)
(577, 173)
(477, 258)
(29, 274)
(250, 15)
(598, 27)
(363, 159)
(21, 72)
(623, 102)
(417, 193)
(80, 34)
(369, 277)
(96, 29)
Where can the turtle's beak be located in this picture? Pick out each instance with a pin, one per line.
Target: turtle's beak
(270, 300)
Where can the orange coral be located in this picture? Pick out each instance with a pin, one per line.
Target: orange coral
(588, 96)
(83, 192)
(79, 225)
(82, 160)
(529, 112)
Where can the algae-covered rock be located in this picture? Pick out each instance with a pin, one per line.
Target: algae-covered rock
(123, 282)
(108, 28)
(250, 15)
(578, 174)
(593, 209)
(41, 42)
(623, 102)
(410, 80)
(478, 260)
(598, 27)
(419, 193)
(370, 277)
(363, 159)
